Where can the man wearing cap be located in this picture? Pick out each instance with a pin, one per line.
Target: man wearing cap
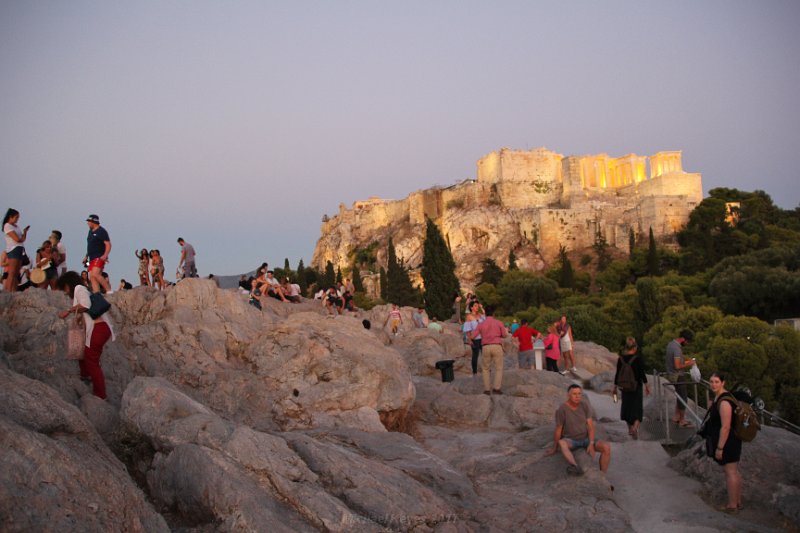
(98, 246)
(676, 366)
(187, 259)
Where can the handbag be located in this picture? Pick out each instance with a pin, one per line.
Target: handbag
(99, 305)
(76, 338)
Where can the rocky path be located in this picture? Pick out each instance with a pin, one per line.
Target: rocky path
(657, 498)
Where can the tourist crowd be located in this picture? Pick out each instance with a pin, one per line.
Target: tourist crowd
(574, 427)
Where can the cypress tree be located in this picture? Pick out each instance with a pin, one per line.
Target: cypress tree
(652, 256)
(286, 268)
(398, 285)
(329, 278)
(601, 249)
(566, 278)
(339, 278)
(512, 260)
(383, 283)
(631, 243)
(438, 273)
(301, 277)
(357, 283)
(491, 272)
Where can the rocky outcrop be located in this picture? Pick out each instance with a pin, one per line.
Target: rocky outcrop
(227, 418)
(57, 474)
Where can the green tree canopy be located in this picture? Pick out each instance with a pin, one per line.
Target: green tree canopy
(520, 290)
(491, 273)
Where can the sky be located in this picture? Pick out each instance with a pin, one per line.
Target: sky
(238, 125)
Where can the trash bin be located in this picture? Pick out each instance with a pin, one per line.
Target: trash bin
(446, 367)
(538, 353)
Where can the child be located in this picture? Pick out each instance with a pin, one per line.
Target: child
(395, 317)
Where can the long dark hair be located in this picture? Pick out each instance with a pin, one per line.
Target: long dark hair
(10, 213)
(70, 279)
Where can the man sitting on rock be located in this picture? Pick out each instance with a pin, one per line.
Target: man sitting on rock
(273, 287)
(575, 429)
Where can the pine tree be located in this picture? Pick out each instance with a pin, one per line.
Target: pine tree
(438, 273)
(566, 278)
(357, 283)
(512, 260)
(652, 256)
(329, 278)
(398, 285)
(383, 283)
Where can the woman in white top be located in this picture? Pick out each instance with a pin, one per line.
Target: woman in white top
(98, 331)
(15, 251)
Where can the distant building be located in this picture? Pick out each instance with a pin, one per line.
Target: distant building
(793, 322)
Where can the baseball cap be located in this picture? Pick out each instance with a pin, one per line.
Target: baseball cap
(93, 218)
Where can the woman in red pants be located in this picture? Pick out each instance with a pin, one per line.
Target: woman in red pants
(98, 331)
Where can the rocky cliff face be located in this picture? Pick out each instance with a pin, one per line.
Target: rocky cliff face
(221, 417)
(529, 202)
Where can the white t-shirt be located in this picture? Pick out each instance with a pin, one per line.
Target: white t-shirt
(273, 281)
(82, 297)
(11, 243)
(62, 251)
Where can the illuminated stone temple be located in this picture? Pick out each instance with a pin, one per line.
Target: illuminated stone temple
(531, 202)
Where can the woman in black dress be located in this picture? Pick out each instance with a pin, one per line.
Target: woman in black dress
(632, 410)
(721, 442)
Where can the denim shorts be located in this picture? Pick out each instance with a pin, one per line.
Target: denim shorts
(17, 253)
(575, 444)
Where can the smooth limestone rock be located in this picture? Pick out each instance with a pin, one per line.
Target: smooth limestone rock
(770, 470)
(232, 419)
(57, 474)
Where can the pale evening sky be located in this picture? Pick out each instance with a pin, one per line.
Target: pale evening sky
(237, 125)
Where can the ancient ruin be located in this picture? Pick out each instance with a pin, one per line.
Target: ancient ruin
(531, 202)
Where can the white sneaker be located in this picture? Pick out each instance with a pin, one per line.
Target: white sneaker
(574, 369)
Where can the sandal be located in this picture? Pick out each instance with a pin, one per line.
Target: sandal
(686, 424)
(729, 510)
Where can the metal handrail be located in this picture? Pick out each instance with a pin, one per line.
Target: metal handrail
(766, 417)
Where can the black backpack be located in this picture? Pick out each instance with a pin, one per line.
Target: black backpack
(626, 378)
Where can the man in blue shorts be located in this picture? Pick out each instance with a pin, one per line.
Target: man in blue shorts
(575, 429)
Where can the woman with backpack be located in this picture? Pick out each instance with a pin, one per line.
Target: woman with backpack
(722, 444)
(631, 378)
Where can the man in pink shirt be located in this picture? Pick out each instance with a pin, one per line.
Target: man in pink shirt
(492, 332)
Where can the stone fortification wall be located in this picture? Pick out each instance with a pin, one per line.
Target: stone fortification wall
(539, 164)
(530, 202)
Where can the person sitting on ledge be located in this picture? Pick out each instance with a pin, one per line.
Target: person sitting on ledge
(575, 430)
(333, 303)
(273, 287)
(349, 301)
(291, 291)
(418, 316)
(435, 325)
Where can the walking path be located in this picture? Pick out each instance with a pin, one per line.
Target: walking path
(657, 498)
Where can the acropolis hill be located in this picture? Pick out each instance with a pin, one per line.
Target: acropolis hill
(529, 201)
